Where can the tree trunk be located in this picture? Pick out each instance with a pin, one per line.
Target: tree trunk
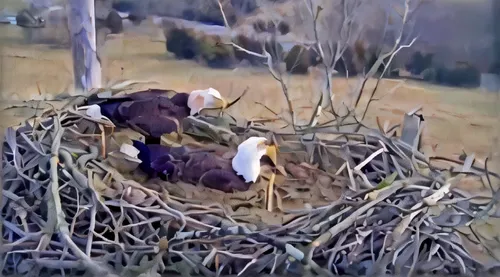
(86, 65)
(2, 135)
(496, 27)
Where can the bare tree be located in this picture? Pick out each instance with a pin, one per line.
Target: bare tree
(337, 25)
(272, 64)
(86, 65)
(334, 26)
(402, 32)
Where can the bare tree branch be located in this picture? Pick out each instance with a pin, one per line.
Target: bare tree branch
(358, 91)
(275, 72)
(333, 35)
(223, 14)
(331, 45)
(374, 91)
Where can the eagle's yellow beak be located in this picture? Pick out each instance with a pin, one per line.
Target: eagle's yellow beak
(271, 152)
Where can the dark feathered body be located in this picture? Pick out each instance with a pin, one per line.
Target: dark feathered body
(154, 114)
(150, 112)
(191, 166)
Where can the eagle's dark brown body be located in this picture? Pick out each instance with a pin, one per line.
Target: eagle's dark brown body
(152, 113)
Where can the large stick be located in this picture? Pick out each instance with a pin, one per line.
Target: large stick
(86, 65)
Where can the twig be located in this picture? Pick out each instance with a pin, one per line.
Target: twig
(56, 216)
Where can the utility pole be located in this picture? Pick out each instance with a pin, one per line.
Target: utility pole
(496, 29)
(86, 65)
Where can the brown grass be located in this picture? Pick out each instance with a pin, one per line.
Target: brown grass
(455, 119)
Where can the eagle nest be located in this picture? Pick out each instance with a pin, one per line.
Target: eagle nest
(333, 202)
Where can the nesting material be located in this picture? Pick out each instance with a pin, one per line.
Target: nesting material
(363, 203)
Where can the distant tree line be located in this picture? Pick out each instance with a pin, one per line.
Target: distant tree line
(496, 32)
(461, 75)
(211, 50)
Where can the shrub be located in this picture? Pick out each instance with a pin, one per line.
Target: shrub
(461, 76)
(188, 15)
(114, 22)
(249, 44)
(244, 6)
(214, 20)
(430, 75)
(495, 68)
(371, 62)
(124, 5)
(465, 77)
(207, 49)
(26, 19)
(362, 58)
(299, 59)
(273, 48)
(419, 63)
(182, 44)
(208, 14)
(214, 53)
(261, 26)
(136, 14)
(347, 63)
(283, 28)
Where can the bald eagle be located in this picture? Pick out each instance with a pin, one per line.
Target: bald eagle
(153, 114)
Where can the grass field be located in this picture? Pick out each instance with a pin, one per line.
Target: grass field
(456, 119)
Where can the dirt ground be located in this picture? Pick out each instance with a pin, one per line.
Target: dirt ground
(456, 119)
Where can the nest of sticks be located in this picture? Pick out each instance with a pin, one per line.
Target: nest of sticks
(362, 203)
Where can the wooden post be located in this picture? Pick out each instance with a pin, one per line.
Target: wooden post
(86, 65)
(496, 30)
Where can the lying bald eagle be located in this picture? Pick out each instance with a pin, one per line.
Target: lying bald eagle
(153, 114)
